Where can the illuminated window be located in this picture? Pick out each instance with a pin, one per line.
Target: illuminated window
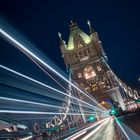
(80, 45)
(79, 75)
(89, 72)
(99, 68)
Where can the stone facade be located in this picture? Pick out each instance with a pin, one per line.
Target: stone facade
(85, 57)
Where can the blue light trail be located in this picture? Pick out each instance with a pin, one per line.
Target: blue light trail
(30, 102)
(38, 60)
(49, 87)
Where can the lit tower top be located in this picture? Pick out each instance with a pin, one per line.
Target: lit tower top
(62, 42)
(63, 45)
(80, 46)
(91, 29)
(76, 31)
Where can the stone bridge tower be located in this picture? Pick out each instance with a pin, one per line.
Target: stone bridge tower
(85, 56)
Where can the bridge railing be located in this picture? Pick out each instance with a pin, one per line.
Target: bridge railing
(120, 134)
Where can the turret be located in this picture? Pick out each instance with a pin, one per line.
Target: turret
(93, 33)
(73, 25)
(95, 38)
(77, 37)
(63, 45)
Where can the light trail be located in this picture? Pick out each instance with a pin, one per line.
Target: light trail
(49, 87)
(40, 113)
(47, 73)
(86, 129)
(28, 118)
(52, 77)
(31, 79)
(26, 138)
(122, 129)
(78, 135)
(28, 52)
(30, 102)
(41, 104)
(94, 131)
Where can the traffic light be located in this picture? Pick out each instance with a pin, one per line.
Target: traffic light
(113, 111)
(138, 100)
(91, 118)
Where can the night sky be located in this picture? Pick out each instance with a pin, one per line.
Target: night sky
(117, 23)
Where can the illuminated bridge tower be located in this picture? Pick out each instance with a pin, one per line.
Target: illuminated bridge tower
(85, 56)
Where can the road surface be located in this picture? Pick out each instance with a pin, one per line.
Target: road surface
(104, 131)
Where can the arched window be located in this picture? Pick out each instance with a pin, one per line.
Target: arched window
(89, 72)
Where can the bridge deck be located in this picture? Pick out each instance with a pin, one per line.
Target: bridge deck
(104, 132)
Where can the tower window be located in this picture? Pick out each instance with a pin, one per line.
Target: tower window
(79, 75)
(88, 50)
(76, 55)
(99, 68)
(89, 72)
(79, 45)
(85, 53)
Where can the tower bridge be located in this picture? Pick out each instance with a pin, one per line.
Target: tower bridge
(86, 58)
(86, 106)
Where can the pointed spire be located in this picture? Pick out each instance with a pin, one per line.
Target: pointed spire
(72, 25)
(72, 22)
(62, 42)
(60, 36)
(91, 30)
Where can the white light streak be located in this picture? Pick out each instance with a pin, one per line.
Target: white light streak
(30, 102)
(122, 129)
(88, 128)
(94, 131)
(40, 113)
(8, 129)
(26, 138)
(79, 135)
(29, 53)
(49, 87)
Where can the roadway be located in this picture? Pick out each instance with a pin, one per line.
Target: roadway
(101, 130)
(105, 131)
